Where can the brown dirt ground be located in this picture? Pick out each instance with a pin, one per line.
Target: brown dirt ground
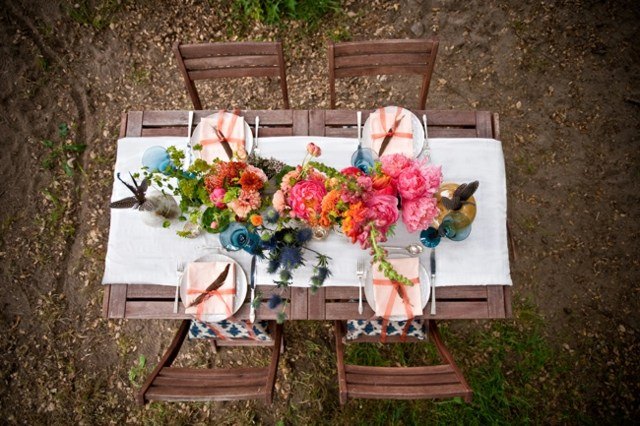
(562, 75)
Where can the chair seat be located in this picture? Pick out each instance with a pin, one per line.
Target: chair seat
(228, 329)
(361, 330)
(191, 384)
(430, 382)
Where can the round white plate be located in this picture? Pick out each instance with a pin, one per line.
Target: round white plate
(416, 125)
(241, 285)
(425, 288)
(248, 137)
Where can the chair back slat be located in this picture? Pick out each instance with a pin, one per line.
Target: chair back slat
(383, 57)
(247, 61)
(380, 70)
(230, 60)
(234, 72)
(384, 46)
(204, 50)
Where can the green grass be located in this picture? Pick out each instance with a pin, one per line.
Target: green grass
(509, 364)
(94, 14)
(276, 12)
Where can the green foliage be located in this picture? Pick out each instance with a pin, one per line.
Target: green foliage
(276, 12)
(137, 372)
(509, 365)
(95, 14)
(61, 152)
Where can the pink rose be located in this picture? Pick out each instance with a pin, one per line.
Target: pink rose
(279, 202)
(351, 171)
(384, 210)
(306, 197)
(419, 213)
(314, 149)
(213, 225)
(217, 196)
(393, 164)
(382, 185)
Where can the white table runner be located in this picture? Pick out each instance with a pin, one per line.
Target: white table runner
(139, 254)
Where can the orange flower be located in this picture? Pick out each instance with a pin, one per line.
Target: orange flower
(251, 181)
(329, 203)
(353, 219)
(256, 219)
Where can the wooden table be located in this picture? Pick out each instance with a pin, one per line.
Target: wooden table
(328, 303)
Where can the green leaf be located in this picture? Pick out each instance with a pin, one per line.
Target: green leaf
(67, 169)
(74, 147)
(63, 130)
(166, 224)
(48, 143)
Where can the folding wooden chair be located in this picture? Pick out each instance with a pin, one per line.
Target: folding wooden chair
(383, 57)
(167, 383)
(428, 382)
(237, 59)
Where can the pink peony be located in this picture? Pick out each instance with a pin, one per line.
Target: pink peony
(419, 213)
(279, 202)
(314, 149)
(246, 201)
(384, 211)
(394, 164)
(418, 180)
(305, 198)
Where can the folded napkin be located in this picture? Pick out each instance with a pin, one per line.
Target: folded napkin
(230, 125)
(388, 302)
(382, 120)
(200, 275)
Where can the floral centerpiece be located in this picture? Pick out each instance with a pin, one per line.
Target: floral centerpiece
(282, 204)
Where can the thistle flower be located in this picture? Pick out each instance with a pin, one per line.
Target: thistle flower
(274, 301)
(285, 275)
(270, 215)
(273, 265)
(304, 235)
(291, 257)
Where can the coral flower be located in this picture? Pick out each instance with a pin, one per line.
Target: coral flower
(419, 213)
(246, 201)
(279, 202)
(314, 149)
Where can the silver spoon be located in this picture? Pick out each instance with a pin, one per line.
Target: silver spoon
(413, 249)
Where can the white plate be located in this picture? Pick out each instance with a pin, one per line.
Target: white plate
(241, 285)
(248, 137)
(425, 288)
(416, 126)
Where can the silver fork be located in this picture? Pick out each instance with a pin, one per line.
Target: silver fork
(256, 147)
(360, 274)
(180, 265)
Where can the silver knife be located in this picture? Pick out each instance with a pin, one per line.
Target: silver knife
(252, 284)
(433, 281)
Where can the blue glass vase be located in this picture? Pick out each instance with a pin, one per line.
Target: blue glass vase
(430, 237)
(364, 159)
(156, 159)
(235, 237)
